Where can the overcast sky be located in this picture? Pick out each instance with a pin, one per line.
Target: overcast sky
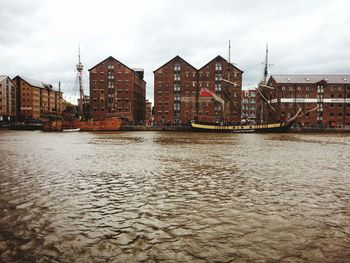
(39, 38)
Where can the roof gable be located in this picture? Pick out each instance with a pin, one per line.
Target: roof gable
(116, 60)
(109, 58)
(3, 77)
(171, 60)
(218, 57)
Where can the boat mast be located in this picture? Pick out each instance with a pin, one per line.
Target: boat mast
(229, 51)
(263, 113)
(81, 90)
(266, 64)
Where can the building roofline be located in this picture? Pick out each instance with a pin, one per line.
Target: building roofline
(111, 57)
(310, 78)
(6, 76)
(36, 86)
(176, 57)
(218, 56)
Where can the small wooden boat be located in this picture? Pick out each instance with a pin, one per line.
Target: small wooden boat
(71, 130)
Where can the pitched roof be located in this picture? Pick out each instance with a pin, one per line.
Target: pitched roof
(37, 83)
(111, 57)
(2, 77)
(171, 60)
(305, 78)
(221, 58)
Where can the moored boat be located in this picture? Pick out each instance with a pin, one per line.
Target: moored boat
(105, 125)
(71, 130)
(53, 125)
(26, 126)
(82, 123)
(91, 125)
(269, 127)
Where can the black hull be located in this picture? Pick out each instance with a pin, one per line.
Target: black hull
(268, 128)
(26, 127)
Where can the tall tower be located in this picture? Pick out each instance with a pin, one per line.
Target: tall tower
(80, 80)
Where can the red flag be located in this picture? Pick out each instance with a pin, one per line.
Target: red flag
(205, 93)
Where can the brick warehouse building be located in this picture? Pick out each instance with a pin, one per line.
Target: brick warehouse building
(148, 117)
(177, 85)
(37, 99)
(174, 83)
(329, 93)
(8, 100)
(117, 91)
(249, 104)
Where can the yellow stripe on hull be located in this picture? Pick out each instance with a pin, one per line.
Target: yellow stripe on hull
(237, 128)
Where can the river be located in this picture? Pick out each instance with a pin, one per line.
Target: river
(174, 197)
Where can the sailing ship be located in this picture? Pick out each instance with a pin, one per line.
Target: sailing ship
(262, 126)
(110, 124)
(269, 127)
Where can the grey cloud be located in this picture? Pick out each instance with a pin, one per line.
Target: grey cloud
(40, 38)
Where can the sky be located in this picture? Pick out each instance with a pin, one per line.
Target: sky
(40, 38)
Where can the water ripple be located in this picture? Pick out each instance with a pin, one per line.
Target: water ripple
(175, 197)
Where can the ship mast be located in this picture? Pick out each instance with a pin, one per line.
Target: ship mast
(263, 93)
(229, 51)
(266, 64)
(81, 90)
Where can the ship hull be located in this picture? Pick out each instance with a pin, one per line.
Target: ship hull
(257, 128)
(105, 125)
(26, 127)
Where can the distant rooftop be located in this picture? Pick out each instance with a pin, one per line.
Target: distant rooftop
(37, 83)
(139, 72)
(332, 79)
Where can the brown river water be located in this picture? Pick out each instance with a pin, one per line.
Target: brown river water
(174, 197)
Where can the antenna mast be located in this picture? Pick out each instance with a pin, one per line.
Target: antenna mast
(81, 90)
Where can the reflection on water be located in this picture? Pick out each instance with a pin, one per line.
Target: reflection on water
(155, 196)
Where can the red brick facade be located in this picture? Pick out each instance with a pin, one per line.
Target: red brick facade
(37, 100)
(177, 86)
(148, 118)
(329, 93)
(8, 99)
(116, 91)
(249, 104)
